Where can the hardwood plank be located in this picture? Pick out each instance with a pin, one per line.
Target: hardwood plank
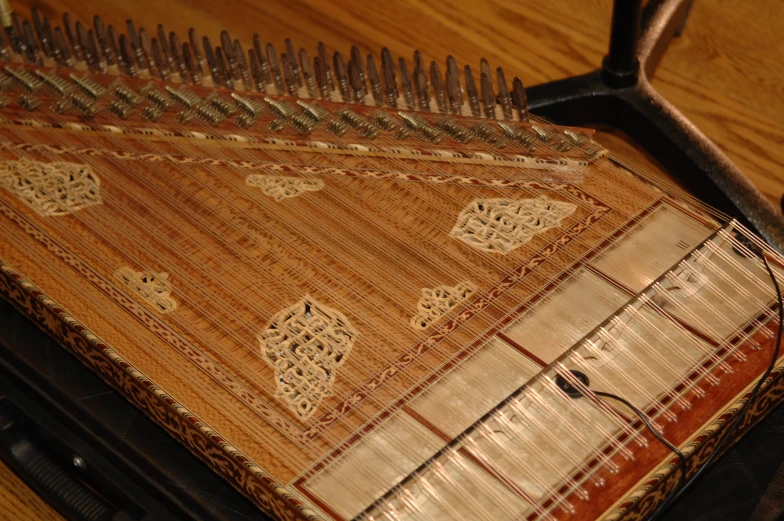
(20, 502)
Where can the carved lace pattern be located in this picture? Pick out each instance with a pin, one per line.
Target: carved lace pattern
(52, 189)
(154, 288)
(305, 344)
(282, 187)
(501, 225)
(436, 302)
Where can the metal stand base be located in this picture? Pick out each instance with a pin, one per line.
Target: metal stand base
(620, 95)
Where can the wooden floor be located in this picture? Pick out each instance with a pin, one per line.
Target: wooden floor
(725, 73)
(18, 502)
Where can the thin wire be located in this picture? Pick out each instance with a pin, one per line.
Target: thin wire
(728, 434)
(647, 423)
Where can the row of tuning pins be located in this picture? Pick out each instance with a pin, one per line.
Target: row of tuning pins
(139, 54)
(424, 89)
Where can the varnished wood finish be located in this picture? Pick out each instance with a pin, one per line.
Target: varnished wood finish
(724, 72)
(19, 502)
(360, 246)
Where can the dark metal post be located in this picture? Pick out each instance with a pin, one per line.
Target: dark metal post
(621, 66)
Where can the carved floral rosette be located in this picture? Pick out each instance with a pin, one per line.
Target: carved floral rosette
(51, 189)
(154, 288)
(282, 187)
(305, 344)
(502, 225)
(438, 301)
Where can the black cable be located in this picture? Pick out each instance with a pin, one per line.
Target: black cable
(642, 417)
(728, 434)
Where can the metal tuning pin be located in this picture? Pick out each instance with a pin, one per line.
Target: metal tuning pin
(146, 43)
(72, 40)
(484, 68)
(48, 35)
(261, 56)
(223, 71)
(423, 96)
(38, 25)
(503, 94)
(390, 84)
(341, 75)
(62, 49)
(255, 71)
(307, 73)
(418, 64)
(488, 97)
(293, 62)
(87, 39)
(126, 59)
(356, 82)
(407, 85)
(454, 71)
(175, 53)
(288, 75)
(438, 87)
(471, 93)
(277, 78)
(356, 57)
(519, 99)
(136, 46)
(375, 81)
(160, 61)
(66, 51)
(103, 42)
(190, 64)
(98, 61)
(321, 78)
(114, 44)
(324, 57)
(196, 46)
(81, 37)
(452, 92)
(228, 52)
(389, 63)
(15, 34)
(212, 64)
(242, 65)
(20, 41)
(42, 31)
(163, 41)
(31, 48)
(7, 46)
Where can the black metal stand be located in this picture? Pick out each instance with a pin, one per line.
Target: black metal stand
(620, 95)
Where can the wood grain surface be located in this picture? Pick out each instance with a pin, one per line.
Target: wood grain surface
(19, 502)
(724, 72)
